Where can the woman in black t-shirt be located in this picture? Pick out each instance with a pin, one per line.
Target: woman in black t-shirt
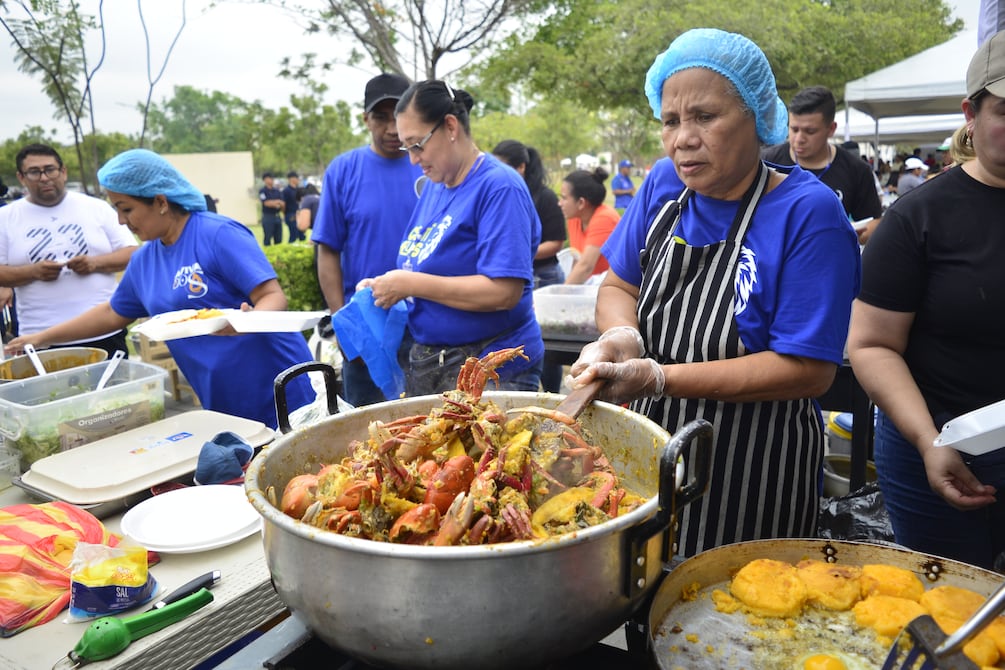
(926, 337)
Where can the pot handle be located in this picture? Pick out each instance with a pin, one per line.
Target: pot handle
(670, 499)
(286, 376)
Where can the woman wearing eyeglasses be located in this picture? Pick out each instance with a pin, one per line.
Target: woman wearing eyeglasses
(465, 265)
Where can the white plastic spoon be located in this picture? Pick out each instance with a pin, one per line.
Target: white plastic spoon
(35, 360)
(110, 370)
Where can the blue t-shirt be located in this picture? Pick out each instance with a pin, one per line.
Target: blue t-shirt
(622, 183)
(366, 201)
(487, 225)
(799, 269)
(216, 262)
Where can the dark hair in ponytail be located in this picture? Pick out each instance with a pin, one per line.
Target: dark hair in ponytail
(588, 185)
(516, 154)
(433, 99)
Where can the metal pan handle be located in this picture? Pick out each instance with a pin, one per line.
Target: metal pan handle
(670, 498)
(332, 390)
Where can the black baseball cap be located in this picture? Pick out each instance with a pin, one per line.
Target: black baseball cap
(384, 87)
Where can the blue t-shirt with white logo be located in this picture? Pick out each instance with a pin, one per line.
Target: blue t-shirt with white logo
(486, 225)
(799, 268)
(215, 263)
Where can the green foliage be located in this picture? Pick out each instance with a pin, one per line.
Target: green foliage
(596, 52)
(294, 266)
(303, 138)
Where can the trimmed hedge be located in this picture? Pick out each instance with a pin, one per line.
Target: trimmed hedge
(294, 266)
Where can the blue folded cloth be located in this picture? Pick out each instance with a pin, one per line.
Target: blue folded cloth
(364, 329)
(222, 459)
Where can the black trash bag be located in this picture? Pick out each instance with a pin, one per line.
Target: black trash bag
(859, 515)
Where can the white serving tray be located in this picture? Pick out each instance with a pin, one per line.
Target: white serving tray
(119, 466)
(272, 321)
(178, 324)
(976, 432)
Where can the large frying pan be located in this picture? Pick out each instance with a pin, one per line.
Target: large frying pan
(724, 640)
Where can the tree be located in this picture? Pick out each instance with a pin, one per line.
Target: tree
(597, 53)
(304, 136)
(410, 37)
(50, 42)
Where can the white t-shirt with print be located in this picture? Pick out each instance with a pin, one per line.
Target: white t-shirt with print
(79, 225)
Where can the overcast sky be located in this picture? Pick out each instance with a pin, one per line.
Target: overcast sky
(235, 48)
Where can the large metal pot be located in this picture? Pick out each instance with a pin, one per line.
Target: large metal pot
(53, 360)
(673, 617)
(508, 605)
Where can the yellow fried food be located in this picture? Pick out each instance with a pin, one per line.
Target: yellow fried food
(889, 580)
(724, 602)
(887, 615)
(951, 602)
(769, 587)
(829, 585)
(981, 649)
(996, 631)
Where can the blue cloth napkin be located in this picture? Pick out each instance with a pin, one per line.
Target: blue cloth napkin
(222, 459)
(364, 329)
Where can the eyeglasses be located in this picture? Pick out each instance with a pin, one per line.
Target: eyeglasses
(416, 149)
(34, 174)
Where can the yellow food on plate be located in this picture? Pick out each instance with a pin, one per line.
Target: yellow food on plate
(889, 580)
(206, 313)
(769, 587)
(887, 615)
(829, 585)
(724, 602)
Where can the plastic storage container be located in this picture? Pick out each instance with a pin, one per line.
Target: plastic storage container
(45, 415)
(839, 427)
(10, 466)
(567, 311)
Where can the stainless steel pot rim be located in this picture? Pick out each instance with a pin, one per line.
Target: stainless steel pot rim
(485, 551)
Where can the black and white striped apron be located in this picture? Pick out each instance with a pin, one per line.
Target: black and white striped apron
(767, 455)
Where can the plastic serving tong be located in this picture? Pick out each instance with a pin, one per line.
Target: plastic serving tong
(110, 635)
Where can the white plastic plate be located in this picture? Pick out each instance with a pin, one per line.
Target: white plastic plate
(272, 321)
(192, 519)
(178, 324)
(976, 432)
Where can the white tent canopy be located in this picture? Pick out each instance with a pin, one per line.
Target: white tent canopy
(917, 130)
(930, 82)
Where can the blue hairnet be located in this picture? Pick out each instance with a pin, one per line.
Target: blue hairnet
(737, 59)
(142, 173)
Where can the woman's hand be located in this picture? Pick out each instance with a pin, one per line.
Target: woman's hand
(16, 346)
(636, 378)
(617, 344)
(388, 288)
(950, 477)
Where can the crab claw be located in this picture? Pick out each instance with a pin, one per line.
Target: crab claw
(456, 521)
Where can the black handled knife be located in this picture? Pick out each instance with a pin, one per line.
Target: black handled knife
(202, 581)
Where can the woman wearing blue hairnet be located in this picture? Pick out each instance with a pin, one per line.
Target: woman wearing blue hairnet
(192, 259)
(736, 310)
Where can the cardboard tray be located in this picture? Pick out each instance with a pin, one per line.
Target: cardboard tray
(110, 473)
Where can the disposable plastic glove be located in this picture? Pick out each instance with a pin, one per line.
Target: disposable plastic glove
(617, 344)
(637, 378)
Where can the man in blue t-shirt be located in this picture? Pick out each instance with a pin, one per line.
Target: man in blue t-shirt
(622, 186)
(367, 197)
(272, 211)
